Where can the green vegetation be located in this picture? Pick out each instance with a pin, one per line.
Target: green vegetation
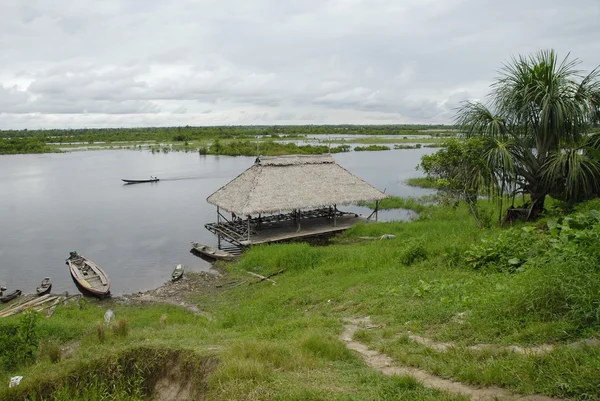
(459, 172)
(11, 146)
(397, 202)
(423, 182)
(268, 148)
(371, 148)
(235, 141)
(187, 133)
(386, 140)
(536, 131)
(441, 277)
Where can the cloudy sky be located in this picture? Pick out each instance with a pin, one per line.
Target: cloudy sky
(113, 63)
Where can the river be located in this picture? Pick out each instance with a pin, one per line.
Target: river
(56, 203)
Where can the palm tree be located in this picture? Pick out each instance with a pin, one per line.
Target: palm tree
(536, 129)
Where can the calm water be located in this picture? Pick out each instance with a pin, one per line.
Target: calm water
(53, 204)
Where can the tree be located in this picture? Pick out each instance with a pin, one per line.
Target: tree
(460, 171)
(536, 130)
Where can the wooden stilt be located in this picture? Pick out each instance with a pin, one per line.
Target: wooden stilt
(335, 215)
(376, 210)
(248, 228)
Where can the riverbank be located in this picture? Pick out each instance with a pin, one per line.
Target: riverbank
(432, 292)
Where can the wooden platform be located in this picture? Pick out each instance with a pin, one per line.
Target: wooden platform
(287, 231)
(284, 227)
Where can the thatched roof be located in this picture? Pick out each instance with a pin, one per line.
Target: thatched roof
(284, 183)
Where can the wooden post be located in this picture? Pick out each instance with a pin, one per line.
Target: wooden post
(335, 215)
(218, 222)
(248, 229)
(376, 209)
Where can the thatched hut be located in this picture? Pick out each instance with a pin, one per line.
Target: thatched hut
(294, 188)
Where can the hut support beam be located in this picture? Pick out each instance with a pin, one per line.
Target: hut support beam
(335, 215)
(375, 211)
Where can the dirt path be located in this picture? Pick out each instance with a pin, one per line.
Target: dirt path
(385, 365)
(533, 350)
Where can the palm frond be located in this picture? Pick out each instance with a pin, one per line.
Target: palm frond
(573, 174)
(475, 119)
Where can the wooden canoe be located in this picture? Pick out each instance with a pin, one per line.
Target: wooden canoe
(177, 272)
(10, 296)
(139, 181)
(211, 252)
(88, 276)
(45, 287)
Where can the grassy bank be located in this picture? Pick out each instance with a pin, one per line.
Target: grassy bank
(529, 285)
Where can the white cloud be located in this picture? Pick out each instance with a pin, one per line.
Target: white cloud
(149, 62)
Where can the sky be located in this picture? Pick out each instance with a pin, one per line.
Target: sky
(137, 63)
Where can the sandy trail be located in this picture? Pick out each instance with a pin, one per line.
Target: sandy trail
(386, 365)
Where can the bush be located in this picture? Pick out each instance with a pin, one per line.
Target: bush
(415, 252)
(506, 251)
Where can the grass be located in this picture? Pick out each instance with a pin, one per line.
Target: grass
(384, 140)
(281, 341)
(397, 202)
(371, 148)
(423, 182)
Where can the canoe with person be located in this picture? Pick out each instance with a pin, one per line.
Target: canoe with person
(152, 179)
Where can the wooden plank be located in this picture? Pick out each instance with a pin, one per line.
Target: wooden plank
(261, 277)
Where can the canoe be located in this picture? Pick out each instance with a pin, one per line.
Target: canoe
(4, 298)
(88, 276)
(177, 272)
(45, 286)
(139, 181)
(211, 252)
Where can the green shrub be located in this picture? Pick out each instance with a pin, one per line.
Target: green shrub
(414, 252)
(506, 250)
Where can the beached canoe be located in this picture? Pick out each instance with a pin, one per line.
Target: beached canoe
(139, 181)
(4, 298)
(211, 252)
(88, 276)
(177, 272)
(45, 286)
